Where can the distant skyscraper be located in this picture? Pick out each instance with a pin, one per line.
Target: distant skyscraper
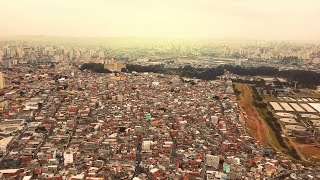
(101, 55)
(50, 51)
(71, 55)
(2, 81)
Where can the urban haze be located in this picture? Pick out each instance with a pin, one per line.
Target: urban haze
(159, 89)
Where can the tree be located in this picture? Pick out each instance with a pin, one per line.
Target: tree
(124, 70)
(95, 67)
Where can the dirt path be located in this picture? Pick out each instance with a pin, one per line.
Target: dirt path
(296, 147)
(251, 119)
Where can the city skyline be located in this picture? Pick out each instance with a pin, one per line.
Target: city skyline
(269, 20)
(159, 89)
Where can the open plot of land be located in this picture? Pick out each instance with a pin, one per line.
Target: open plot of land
(286, 106)
(309, 151)
(256, 126)
(285, 98)
(288, 120)
(281, 114)
(297, 107)
(276, 106)
(288, 99)
(252, 122)
(311, 100)
(308, 108)
(310, 116)
(264, 134)
(295, 127)
(316, 106)
(299, 100)
(292, 99)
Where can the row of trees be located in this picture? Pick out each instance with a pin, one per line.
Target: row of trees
(186, 71)
(95, 67)
(139, 68)
(308, 79)
(272, 121)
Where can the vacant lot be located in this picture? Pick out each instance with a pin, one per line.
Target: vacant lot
(254, 123)
(309, 151)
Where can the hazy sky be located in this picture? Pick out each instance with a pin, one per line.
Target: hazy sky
(259, 19)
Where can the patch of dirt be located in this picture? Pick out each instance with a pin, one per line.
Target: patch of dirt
(252, 122)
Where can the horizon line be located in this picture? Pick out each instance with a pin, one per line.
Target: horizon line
(148, 37)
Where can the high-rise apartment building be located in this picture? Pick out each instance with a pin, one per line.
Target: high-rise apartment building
(2, 81)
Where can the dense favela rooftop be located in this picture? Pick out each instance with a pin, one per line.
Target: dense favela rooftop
(62, 123)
